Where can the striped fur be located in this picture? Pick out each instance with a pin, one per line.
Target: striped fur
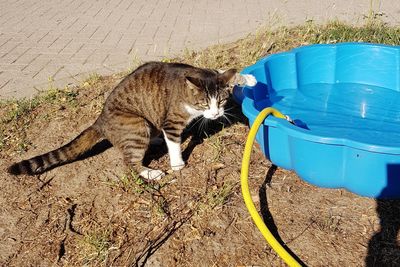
(67, 153)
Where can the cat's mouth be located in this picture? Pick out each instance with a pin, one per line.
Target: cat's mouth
(213, 114)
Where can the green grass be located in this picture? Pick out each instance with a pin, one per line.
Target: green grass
(131, 182)
(220, 196)
(162, 207)
(248, 50)
(17, 115)
(95, 247)
(216, 143)
(372, 32)
(12, 110)
(92, 79)
(134, 184)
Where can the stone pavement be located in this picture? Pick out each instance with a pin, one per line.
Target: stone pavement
(65, 40)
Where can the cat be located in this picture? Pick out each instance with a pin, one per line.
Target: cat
(156, 97)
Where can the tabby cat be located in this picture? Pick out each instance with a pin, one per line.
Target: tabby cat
(156, 97)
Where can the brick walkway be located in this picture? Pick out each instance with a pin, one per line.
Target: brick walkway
(65, 40)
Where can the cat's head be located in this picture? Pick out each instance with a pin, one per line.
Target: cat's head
(210, 91)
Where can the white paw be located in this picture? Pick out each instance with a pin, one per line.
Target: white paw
(250, 79)
(151, 174)
(177, 165)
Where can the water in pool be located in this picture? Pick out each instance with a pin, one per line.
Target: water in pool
(362, 113)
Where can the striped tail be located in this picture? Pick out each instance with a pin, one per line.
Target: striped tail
(67, 153)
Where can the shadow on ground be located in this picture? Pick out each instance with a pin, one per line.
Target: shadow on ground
(383, 248)
(266, 214)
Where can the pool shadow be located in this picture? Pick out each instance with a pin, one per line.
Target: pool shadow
(383, 247)
(266, 214)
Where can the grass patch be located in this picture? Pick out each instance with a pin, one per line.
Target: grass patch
(12, 110)
(92, 79)
(133, 183)
(248, 50)
(17, 115)
(216, 142)
(95, 247)
(328, 222)
(220, 196)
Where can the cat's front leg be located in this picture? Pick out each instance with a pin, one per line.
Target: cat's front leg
(174, 150)
(244, 79)
(241, 79)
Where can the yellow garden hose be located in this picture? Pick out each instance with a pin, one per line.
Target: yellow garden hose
(246, 191)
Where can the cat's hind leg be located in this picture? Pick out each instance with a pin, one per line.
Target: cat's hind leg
(131, 135)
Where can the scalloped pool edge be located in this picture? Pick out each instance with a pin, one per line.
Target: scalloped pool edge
(325, 162)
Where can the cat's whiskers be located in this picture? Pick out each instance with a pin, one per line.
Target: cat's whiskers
(231, 115)
(230, 108)
(196, 122)
(204, 125)
(227, 119)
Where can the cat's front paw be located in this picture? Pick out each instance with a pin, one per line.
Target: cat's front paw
(176, 166)
(151, 174)
(250, 80)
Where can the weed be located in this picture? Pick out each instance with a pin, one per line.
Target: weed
(135, 62)
(162, 207)
(16, 115)
(220, 196)
(2, 141)
(23, 145)
(92, 79)
(329, 222)
(128, 184)
(132, 182)
(95, 247)
(17, 108)
(246, 51)
(217, 145)
(167, 60)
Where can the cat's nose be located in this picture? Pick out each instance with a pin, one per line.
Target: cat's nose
(214, 115)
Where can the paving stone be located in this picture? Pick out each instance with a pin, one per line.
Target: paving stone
(70, 38)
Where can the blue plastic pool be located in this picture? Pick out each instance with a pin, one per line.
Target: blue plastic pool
(345, 100)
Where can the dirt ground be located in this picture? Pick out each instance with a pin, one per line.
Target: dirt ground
(93, 213)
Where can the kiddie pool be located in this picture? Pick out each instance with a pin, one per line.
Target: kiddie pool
(345, 101)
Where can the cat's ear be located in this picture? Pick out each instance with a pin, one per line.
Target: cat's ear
(193, 82)
(227, 76)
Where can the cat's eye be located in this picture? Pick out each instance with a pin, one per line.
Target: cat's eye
(222, 102)
(203, 105)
